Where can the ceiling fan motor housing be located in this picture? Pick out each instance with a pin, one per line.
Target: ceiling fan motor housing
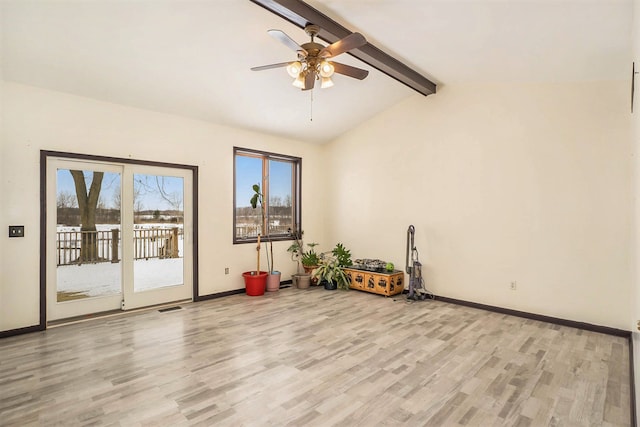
(311, 59)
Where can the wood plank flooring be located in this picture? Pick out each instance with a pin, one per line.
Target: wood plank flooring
(314, 358)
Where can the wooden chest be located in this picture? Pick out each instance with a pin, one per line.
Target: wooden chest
(382, 283)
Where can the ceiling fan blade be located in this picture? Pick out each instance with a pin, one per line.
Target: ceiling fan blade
(348, 70)
(270, 66)
(309, 81)
(287, 41)
(352, 41)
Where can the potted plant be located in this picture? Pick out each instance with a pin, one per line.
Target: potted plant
(255, 281)
(331, 274)
(296, 247)
(342, 255)
(309, 260)
(273, 277)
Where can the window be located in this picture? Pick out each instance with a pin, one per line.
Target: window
(279, 179)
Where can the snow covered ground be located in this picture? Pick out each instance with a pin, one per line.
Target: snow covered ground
(105, 278)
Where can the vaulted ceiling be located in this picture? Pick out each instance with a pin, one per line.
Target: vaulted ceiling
(193, 58)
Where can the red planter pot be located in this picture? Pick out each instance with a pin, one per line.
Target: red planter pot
(255, 283)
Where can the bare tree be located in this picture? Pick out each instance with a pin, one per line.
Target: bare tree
(157, 185)
(65, 199)
(117, 198)
(88, 203)
(101, 204)
(137, 202)
(275, 201)
(174, 198)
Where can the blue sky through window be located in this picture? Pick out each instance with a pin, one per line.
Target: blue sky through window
(148, 199)
(249, 172)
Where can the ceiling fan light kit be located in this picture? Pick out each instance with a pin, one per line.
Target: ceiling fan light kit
(299, 81)
(300, 14)
(326, 82)
(294, 69)
(326, 69)
(313, 59)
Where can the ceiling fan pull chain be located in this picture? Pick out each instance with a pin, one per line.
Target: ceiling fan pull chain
(311, 107)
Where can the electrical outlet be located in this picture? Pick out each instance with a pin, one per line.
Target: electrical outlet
(16, 231)
(226, 270)
(514, 285)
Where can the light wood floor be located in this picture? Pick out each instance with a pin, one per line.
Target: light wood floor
(318, 358)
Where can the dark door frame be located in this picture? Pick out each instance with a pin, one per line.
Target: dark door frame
(44, 155)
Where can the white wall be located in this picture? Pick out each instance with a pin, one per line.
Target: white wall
(526, 183)
(635, 125)
(523, 182)
(36, 119)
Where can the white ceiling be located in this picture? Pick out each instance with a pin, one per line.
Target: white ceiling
(192, 58)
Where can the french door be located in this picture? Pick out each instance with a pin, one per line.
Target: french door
(119, 236)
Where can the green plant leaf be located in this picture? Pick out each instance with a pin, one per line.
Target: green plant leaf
(254, 201)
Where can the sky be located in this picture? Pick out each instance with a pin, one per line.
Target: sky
(148, 193)
(249, 172)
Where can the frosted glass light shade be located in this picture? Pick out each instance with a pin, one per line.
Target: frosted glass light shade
(299, 81)
(326, 69)
(294, 69)
(326, 82)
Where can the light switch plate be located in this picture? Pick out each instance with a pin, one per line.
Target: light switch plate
(16, 231)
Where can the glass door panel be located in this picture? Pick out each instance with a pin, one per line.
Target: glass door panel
(158, 231)
(160, 256)
(85, 239)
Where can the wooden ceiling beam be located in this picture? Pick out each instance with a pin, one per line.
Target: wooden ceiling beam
(301, 14)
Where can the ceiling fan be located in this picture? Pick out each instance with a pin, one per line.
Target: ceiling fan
(313, 59)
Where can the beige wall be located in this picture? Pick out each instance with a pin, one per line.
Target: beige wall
(525, 183)
(529, 183)
(635, 119)
(37, 119)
